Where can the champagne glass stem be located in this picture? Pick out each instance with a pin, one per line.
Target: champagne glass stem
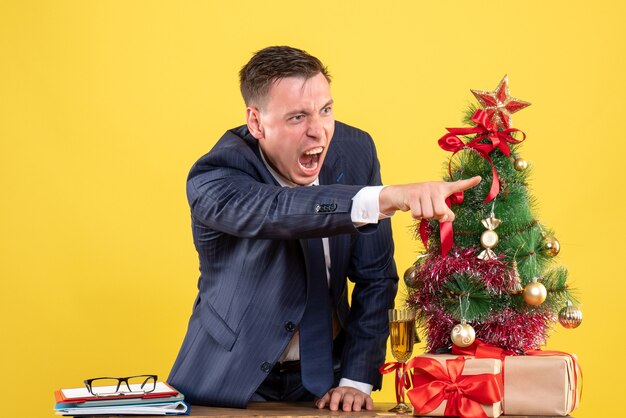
(400, 384)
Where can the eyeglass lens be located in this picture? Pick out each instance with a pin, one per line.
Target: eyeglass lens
(134, 384)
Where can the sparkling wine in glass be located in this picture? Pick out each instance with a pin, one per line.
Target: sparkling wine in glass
(402, 338)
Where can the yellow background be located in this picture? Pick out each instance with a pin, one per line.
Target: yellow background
(104, 106)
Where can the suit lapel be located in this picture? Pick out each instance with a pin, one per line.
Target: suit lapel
(332, 173)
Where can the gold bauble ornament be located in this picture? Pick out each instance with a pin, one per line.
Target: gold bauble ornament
(570, 316)
(535, 293)
(520, 164)
(551, 246)
(463, 335)
(410, 276)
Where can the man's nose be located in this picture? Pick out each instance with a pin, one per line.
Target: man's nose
(315, 128)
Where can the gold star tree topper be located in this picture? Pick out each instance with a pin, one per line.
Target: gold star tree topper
(499, 104)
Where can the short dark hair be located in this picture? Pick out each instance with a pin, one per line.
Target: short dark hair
(273, 63)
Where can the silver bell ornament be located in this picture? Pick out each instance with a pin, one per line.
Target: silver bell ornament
(410, 276)
(570, 316)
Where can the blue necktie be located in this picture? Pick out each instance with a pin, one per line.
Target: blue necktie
(316, 360)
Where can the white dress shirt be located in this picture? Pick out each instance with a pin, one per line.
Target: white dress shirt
(365, 210)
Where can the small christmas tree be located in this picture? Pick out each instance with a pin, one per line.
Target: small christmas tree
(491, 276)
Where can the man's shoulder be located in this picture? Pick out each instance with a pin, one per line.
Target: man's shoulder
(236, 141)
(237, 137)
(348, 132)
(236, 148)
(351, 140)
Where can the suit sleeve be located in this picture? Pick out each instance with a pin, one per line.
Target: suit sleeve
(226, 194)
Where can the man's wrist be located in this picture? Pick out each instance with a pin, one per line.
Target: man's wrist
(366, 206)
(387, 201)
(363, 387)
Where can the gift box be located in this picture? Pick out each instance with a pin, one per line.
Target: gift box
(448, 385)
(540, 384)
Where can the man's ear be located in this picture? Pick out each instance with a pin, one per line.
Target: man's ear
(253, 119)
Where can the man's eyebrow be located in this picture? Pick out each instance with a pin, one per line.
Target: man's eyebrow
(296, 112)
(305, 112)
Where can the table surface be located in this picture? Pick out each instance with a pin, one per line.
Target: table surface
(296, 410)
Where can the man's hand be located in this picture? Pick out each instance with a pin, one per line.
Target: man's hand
(351, 399)
(424, 200)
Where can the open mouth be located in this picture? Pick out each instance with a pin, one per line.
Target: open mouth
(309, 160)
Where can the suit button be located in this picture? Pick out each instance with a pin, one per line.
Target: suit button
(318, 208)
(266, 367)
(290, 326)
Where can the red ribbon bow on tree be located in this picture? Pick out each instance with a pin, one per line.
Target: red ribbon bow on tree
(451, 142)
(499, 139)
(432, 384)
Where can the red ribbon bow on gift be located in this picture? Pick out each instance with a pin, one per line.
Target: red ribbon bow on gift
(403, 380)
(451, 142)
(432, 384)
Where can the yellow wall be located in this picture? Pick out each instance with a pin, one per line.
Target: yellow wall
(104, 106)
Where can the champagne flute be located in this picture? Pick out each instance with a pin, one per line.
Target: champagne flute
(402, 338)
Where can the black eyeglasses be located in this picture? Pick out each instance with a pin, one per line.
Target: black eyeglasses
(115, 386)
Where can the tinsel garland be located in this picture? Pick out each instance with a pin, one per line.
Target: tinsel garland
(509, 329)
(434, 270)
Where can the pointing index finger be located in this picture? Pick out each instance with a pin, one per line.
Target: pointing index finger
(462, 185)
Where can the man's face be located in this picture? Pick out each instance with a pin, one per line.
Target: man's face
(294, 126)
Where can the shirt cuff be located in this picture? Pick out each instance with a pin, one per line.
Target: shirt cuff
(363, 387)
(366, 208)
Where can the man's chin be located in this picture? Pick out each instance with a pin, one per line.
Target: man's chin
(305, 177)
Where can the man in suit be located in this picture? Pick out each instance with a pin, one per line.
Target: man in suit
(284, 210)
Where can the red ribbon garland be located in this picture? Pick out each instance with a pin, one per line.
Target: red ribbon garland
(445, 228)
(451, 142)
(403, 380)
(432, 384)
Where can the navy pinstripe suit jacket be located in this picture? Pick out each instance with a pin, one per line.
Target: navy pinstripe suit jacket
(252, 286)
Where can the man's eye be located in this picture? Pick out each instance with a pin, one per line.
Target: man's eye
(327, 109)
(297, 118)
